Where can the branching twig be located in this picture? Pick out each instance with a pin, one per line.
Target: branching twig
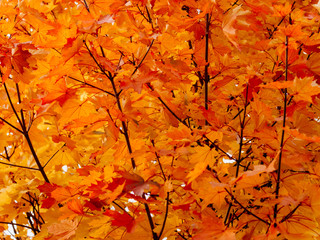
(246, 209)
(124, 126)
(26, 135)
(116, 95)
(16, 224)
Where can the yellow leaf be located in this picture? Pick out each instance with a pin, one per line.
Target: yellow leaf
(305, 88)
(64, 229)
(202, 158)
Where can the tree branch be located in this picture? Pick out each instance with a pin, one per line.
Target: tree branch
(206, 74)
(2, 119)
(154, 234)
(53, 155)
(289, 215)
(165, 216)
(145, 55)
(19, 166)
(16, 224)
(244, 208)
(90, 85)
(282, 134)
(26, 135)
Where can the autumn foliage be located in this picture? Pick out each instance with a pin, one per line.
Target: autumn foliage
(159, 119)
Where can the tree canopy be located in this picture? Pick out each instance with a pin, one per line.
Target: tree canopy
(159, 119)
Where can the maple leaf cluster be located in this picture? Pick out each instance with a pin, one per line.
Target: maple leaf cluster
(153, 119)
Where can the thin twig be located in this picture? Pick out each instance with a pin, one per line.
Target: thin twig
(19, 166)
(158, 159)
(282, 134)
(242, 125)
(11, 125)
(165, 215)
(244, 208)
(16, 224)
(26, 135)
(206, 74)
(86, 5)
(145, 55)
(289, 215)
(12, 106)
(54, 155)
(154, 234)
(90, 85)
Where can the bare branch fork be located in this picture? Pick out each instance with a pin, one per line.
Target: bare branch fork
(25, 132)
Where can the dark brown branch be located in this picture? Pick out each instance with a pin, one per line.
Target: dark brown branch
(206, 74)
(282, 134)
(21, 111)
(108, 75)
(12, 106)
(16, 224)
(116, 95)
(121, 208)
(35, 156)
(182, 236)
(142, 14)
(11, 125)
(145, 55)
(149, 17)
(19, 166)
(154, 234)
(86, 5)
(124, 126)
(211, 144)
(90, 85)
(242, 125)
(165, 216)
(158, 159)
(246, 209)
(53, 155)
(26, 135)
(289, 215)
